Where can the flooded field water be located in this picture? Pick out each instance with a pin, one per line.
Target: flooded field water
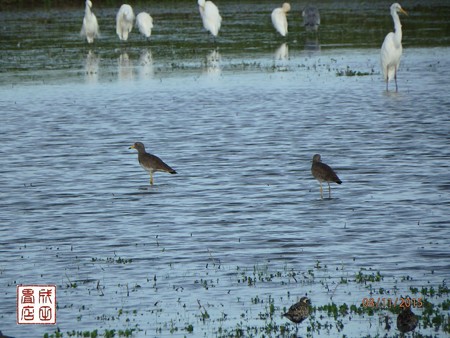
(224, 247)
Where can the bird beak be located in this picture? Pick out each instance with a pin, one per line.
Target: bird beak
(404, 12)
(132, 147)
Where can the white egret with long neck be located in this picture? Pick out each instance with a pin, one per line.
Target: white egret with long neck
(391, 50)
(90, 24)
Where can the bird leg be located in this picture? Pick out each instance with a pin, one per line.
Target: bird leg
(321, 191)
(151, 178)
(387, 79)
(329, 190)
(395, 78)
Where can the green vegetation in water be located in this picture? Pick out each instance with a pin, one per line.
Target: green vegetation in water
(93, 334)
(350, 72)
(262, 308)
(23, 4)
(112, 260)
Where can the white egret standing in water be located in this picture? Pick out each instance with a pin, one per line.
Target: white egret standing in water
(124, 21)
(145, 24)
(391, 50)
(90, 24)
(210, 16)
(279, 19)
(311, 18)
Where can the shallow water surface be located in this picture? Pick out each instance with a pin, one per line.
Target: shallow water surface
(232, 240)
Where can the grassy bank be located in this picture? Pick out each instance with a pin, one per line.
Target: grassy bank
(29, 4)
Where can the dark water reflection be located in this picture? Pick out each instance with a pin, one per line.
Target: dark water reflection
(239, 121)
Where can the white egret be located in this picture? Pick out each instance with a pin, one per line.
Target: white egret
(145, 24)
(90, 24)
(124, 21)
(391, 50)
(279, 19)
(210, 16)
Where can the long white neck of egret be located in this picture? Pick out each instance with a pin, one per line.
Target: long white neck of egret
(88, 8)
(397, 27)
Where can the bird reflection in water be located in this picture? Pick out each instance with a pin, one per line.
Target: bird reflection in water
(91, 67)
(213, 60)
(312, 45)
(281, 58)
(125, 67)
(146, 64)
(282, 52)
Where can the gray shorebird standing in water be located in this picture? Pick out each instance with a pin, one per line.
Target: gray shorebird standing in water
(311, 18)
(323, 173)
(406, 320)
(298, 312)
(149, 162)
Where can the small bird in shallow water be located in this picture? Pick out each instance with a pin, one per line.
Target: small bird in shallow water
(149, 162)
(406, 320)
(298, 312)
(323, 173)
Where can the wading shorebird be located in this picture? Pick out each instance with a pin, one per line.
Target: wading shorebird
(406, 320)
(149, 162)
(323, 173)
(279, 19)
(298, 312)
(311, 19)
(391, 50)
(210, 16)
(124, 21)
(90, 24)
(144, 22)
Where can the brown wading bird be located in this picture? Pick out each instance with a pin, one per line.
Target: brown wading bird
(298, 312)
(323, 173)
(406, 320)
(149, 162)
